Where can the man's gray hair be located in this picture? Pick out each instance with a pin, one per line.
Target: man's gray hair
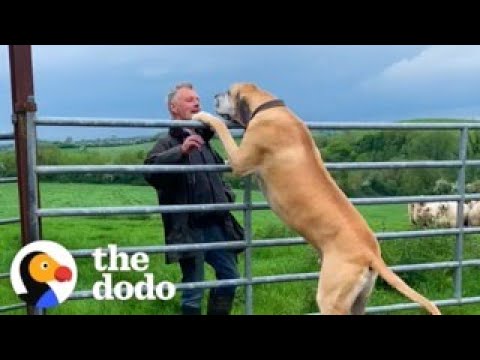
(174, 90)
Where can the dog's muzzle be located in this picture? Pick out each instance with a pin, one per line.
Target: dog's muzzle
(223, 106)
(217, 100)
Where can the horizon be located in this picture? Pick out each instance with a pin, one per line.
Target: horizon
(158, 131)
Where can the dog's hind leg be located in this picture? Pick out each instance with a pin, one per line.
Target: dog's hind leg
(340, 286)
(360, 303)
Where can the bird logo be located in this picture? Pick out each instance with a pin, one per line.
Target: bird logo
(43, 274)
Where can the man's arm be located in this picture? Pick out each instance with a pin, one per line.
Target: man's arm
(162, 154)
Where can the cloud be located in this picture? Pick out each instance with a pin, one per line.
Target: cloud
(320, 82)
(155, 71)
(143, 61)
(78, 59)
(436, 65)
(72, 56)
(437, 61)
(158, 61)
(326, 64)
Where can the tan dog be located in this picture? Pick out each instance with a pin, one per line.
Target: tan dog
(278, 148)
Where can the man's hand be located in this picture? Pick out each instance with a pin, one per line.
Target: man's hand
(192, 142)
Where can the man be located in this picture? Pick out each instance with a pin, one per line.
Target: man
(188, 146)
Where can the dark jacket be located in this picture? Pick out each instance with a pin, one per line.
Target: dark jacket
(190, 188)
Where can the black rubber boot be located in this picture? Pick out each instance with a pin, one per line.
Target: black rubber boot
(190, 310)
(219, 304)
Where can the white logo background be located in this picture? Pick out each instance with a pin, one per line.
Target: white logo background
(60, 254)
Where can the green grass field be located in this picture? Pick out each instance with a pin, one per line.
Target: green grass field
(278, 298)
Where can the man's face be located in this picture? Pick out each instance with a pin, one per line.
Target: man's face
(184, 104)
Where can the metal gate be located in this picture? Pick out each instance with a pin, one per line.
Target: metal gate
(34, 212)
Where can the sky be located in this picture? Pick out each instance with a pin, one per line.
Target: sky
(320, 83)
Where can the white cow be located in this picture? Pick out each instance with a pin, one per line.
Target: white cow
(447, 214)
(440, 214)
(422, 213)
(474, 214)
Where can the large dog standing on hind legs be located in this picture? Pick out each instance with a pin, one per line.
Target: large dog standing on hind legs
(278, 148)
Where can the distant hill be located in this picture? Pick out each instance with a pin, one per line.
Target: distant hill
(112, 141)
(440, 120)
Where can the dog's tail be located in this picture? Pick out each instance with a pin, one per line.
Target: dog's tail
(390, 277)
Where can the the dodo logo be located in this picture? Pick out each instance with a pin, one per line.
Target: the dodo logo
(43, 274)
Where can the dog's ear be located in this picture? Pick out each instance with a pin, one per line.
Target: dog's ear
(243, 110)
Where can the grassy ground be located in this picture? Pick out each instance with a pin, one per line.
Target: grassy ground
(279, 298)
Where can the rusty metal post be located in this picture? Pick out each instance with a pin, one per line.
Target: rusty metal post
(24, 108)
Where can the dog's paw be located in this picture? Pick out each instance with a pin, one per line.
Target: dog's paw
(205, 117)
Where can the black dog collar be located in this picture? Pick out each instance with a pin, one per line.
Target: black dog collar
(267, 105)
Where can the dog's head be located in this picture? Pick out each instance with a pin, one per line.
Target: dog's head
(233, 105)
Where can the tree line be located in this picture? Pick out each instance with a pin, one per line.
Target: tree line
(334, 146)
